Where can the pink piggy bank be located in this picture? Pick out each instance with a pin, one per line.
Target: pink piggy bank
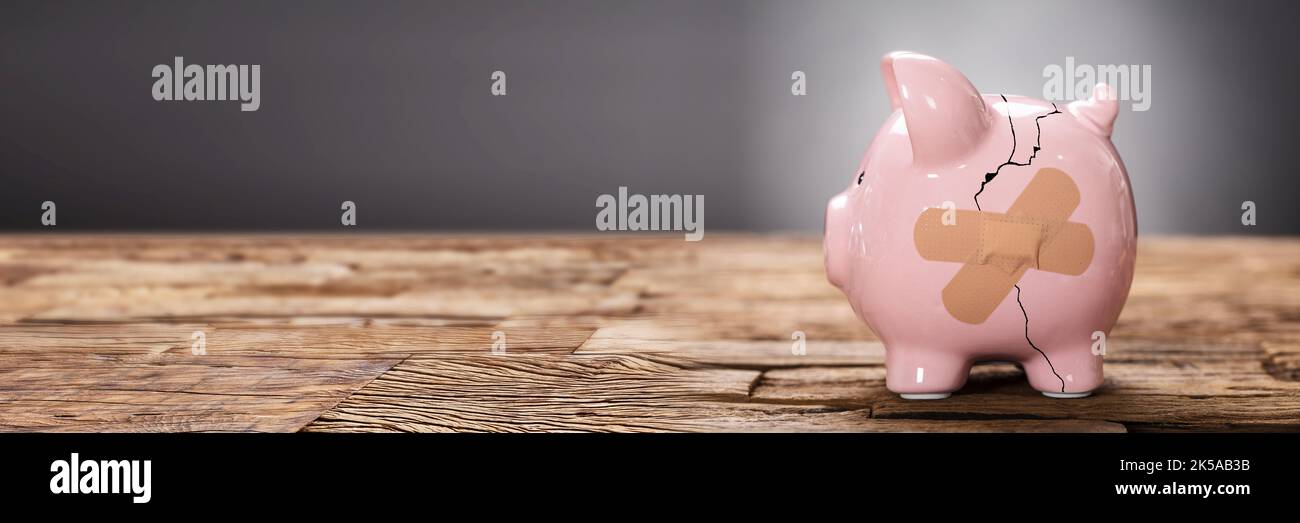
(985, 228)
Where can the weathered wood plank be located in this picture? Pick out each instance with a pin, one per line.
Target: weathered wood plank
(152, 303)
(126, 377)
(1282, 359)
(307, 342)
(859, 387)
(145, 278)
(1140, 402)
(212, 393)
(738, 354)
(1206, 388)
(616, 393)
(529, 392)
(1221, 289)
(723, 318)
(702, 340)
(602, 333)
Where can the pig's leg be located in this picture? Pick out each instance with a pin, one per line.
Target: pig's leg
(1073, 372)
(922, 374)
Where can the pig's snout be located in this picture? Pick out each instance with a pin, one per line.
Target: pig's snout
(835, 243)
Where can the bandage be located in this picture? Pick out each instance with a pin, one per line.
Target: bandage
(997, 248)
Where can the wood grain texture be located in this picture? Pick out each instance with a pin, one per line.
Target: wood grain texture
(591, 333)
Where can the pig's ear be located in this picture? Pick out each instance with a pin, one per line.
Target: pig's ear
(1097, 113)
(946, 117)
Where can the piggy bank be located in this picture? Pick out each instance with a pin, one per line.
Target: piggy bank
(985, 227)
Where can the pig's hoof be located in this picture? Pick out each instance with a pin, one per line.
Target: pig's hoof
(926, 396)
(1067, 395)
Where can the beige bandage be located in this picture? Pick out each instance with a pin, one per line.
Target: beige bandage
(998, 248)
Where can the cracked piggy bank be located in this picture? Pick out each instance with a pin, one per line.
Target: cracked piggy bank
(985, 227)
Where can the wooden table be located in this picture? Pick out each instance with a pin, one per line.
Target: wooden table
(591, 333)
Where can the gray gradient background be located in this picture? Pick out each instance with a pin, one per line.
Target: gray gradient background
(388, 104)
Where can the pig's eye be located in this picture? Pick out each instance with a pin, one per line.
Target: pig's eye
(860, 175)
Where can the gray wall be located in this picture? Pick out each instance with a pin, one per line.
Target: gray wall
(387, 104)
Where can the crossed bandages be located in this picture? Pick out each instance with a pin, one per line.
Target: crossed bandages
(997, 248)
